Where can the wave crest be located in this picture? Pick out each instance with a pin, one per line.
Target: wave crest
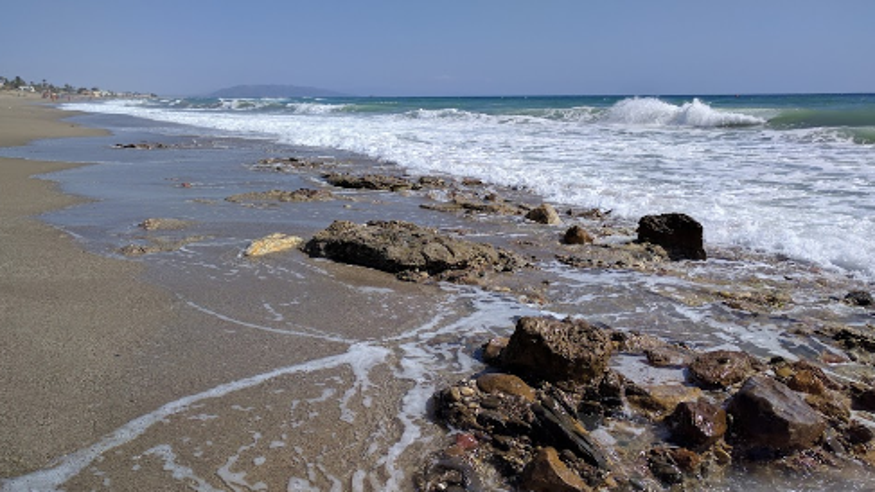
(651, 111)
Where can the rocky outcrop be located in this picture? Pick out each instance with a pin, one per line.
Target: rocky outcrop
(272, 243)
(544, 214)
(679, 234)
(407, 249)
(300, 195)
(770, 416)
(371, 182)
(565, 351)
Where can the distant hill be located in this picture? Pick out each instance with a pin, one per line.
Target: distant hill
(253, 91)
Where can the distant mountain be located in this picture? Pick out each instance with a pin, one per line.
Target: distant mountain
(278, 91)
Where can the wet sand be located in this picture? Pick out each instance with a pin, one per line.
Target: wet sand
(99, 366)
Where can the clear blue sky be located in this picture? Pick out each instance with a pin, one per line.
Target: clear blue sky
(448, 47)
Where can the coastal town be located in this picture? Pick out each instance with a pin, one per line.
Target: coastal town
(48, 90)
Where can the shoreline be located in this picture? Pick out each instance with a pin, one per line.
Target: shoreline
(356, 325)
(69, 318)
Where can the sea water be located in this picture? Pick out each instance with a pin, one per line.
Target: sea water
(349, 409)
(787, 174)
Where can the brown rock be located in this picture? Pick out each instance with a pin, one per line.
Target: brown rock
(558, 351)
(492, 349)
(505, 383)
(768, 414)
(722, 368)
(697, 423)
(576, 235)
(544, 214)
(396, 246)
(547, 473)
(679, 234)
(371, 182)
(157, 224)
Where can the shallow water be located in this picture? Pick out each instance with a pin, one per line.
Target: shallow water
(349, 409)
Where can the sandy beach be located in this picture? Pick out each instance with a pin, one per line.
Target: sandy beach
(71, 321)
(189, 365)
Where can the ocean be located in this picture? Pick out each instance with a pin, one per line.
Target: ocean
(293, 373)
(785, 174)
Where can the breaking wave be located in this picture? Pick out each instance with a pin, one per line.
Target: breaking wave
(651, 111)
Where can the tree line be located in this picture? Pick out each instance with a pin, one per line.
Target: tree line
(17, 83)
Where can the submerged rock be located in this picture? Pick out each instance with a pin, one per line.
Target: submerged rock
(571, 351)
(300, 195)
(679, 234)
(767, 414)
(398, 247)
(159, 224)
(371, 182)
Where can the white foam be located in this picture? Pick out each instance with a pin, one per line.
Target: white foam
(797, 192)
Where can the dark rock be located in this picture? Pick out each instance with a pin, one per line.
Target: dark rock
(697, 424)
(469, 203)
(767, 414)
(567, 350)
(859, 298)
(544, 214)
(556, 427)
(576, 235)
(722, 368)
(493, 348)
(679, 234)
(668, 356)
(547, 473)
(371, 182)
(672, 465)
(397, 246)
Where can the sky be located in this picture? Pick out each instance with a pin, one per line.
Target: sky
(445, 48)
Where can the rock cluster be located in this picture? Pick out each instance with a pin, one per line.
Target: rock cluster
(531, 419)
(410, 251)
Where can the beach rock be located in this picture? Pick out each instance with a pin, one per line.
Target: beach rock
(272, 243)
(576, 235)
(767, 414)
(544, 214)
(141, 146)
(287, 163)
(668, 356)
(555, 426)
(859, 298)
(371, 182)
(505, 383)
(493, 348)
(547, 473)
(697, 424)
(300, 195)
(722, 368)
(658, 400)
(673, 465)
(470, 203)
(569, 350)
(158, 224)
(679, 234)
(397, 247)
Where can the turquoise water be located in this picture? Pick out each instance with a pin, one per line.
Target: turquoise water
(785, 174)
